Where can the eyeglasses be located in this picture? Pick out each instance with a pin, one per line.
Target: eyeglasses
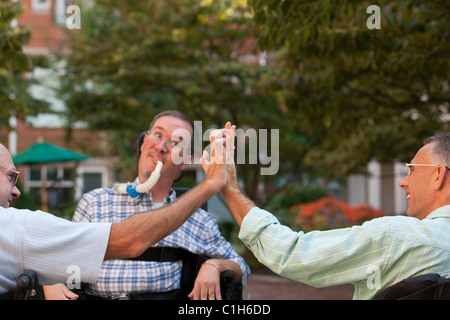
(409, 165)
(158, 137)
(13, 175)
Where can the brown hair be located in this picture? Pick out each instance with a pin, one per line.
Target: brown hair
(179, 115)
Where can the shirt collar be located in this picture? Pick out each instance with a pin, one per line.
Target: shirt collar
(137, 200)
(442, 212)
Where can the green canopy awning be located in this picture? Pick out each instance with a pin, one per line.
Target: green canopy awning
(45, 153)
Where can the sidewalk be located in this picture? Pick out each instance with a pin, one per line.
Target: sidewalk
(269, 286)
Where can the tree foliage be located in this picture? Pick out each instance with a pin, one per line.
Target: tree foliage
(14, 64)
(133, 59)
(340, 93)
(360, 93)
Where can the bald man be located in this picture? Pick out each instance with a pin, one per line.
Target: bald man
(51, 246)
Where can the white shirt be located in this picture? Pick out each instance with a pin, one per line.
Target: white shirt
(55, 248)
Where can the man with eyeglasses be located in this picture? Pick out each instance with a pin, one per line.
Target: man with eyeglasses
(51, 246)
(9, 180)
(372, 257)
(421, 198)
(199, 235)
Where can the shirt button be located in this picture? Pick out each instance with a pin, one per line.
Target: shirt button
(148, 270)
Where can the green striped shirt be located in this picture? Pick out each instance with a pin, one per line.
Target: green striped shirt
(372, 257)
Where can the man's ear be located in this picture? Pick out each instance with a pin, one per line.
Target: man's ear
(440, 178)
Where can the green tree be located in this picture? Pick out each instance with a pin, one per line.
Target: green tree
(133, 59)
(359, 93)
(14, 96)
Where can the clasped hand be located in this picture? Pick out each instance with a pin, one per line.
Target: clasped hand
(217, 164)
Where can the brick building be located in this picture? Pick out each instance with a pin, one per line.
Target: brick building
(65, 181)
(45, 19)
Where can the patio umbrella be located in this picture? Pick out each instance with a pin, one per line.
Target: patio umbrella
(46, 153)
(43, 153)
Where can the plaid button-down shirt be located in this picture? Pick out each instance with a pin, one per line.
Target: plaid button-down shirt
(200, 234)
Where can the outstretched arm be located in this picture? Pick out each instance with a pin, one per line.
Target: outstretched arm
(132, 236)
(237, 202)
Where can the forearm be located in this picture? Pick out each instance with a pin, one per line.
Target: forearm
(133, 235)
(224, 265)
(237, 202)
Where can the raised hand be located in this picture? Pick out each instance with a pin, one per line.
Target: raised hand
(221, 155)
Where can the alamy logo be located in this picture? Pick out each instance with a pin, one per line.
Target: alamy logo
(74, 20)
(257, 141)
(374, 280)
(74, 280)
(374, 20)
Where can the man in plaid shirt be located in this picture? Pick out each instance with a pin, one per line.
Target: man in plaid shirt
(199, 234)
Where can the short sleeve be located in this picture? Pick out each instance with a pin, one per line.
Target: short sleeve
(58, 249)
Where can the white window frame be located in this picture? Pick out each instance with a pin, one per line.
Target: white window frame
(41, 6)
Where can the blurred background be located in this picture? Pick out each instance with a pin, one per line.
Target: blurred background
(351, 103)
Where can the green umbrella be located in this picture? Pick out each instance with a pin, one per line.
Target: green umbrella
(44, 153)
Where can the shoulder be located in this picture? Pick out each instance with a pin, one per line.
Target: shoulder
(99, 193)
(102, 205)
(412, 230)
(103, 197)
(11, 219)
(389, 224)
(21, 215)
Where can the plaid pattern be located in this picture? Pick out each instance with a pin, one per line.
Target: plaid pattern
(199, 234)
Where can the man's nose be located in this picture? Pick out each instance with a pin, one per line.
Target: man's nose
(15, 192)
(162, 146)
(404, 182)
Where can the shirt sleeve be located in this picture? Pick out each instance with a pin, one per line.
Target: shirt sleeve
(82, 212)
(317, 258)
(59, 250)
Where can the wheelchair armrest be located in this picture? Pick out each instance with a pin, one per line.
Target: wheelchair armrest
(227, 276)
(26, 284)
(230, 290)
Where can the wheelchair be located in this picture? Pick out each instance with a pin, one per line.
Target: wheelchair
(429, 286)
(230, 290)
(28, 287)
(192, 262)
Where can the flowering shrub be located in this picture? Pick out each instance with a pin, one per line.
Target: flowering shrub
(364, 212)
(331, 213)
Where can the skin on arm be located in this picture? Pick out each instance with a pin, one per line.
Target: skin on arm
(237, 202)
(132, 236)
(207, 283)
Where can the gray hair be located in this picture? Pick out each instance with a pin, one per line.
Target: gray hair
(440, 152)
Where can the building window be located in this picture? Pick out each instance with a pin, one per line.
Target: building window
(41, 6)
(57, 192)
(60, 11)
(91, 181)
